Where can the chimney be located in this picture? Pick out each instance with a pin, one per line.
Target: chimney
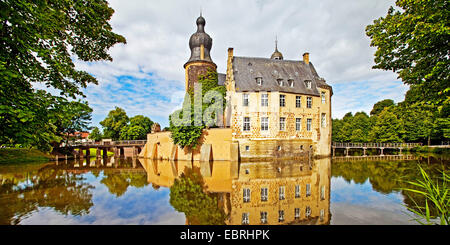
(306, 58)
(230, 53)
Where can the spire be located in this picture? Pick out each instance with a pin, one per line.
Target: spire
(276, 54)
(276, 43)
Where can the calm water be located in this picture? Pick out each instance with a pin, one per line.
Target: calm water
(136, 191)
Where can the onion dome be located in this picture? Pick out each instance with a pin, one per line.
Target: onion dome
(198, 39)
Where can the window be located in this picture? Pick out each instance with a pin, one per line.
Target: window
(298, 101)
(246, 124)
(324, 120)
(298, 124)
(308, 124)
(263, 217)
(264, 99)
(245, 219)
(259, 81)
(282, 123)
(280, 82)
(308, 102)
(297, 191)
(308, 212)
(264, 194)
(246, 192)
(322, 192)
(281, 193)
(308, 190)
(308, 83)
(322, 214)
(297, 213)
(247, 147)
(280, 215)
(282, 100)
(291, 83)
(245, 99)
(323, 97)
(264, 123)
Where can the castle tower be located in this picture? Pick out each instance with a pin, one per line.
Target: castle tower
(200, 44)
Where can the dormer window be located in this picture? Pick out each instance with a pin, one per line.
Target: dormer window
(259, 81)
(308, 83)
(280, 82)
(291, 83)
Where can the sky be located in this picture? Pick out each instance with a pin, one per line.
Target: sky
(146, 76)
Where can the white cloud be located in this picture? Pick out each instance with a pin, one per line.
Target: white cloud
(157, 34)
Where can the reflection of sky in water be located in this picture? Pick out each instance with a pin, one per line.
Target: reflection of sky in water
(136, 206)
(353, 203)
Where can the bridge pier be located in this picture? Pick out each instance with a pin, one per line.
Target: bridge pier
(334, 151)
(400, 150)
(98, 153)
(364, 149)
(346, 151)
(381, 148)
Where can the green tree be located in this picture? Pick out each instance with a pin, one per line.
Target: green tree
(116, 120)
(74, 116)
(413, 42)
(137, 129)
(388, 128)
(380, 105)
(190, 135)
(38, 43)
(95, 134)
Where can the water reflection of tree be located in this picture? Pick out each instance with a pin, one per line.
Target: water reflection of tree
(188, 195)
(387, 176)
(118, 183)
(50, 187)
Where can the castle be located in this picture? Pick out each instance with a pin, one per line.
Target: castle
(275, 107)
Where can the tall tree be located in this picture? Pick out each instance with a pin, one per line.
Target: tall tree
(39, 41)
(95, 134)
(137, 129)
(413, 41)
(380, 105)
(74, 116)
(116, 120)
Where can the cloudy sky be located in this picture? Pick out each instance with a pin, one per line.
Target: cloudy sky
(147, 75)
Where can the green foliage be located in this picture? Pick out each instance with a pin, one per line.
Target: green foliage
(117, 126)
(118, 183)
(116, 120)
(137, 129)
(38, 42)
(388, 128)
(95, 134)
(17, 155)
(73, 116)
(380, 105)
(413, 42)
(436, 192)
(188, 195)
(187, 134)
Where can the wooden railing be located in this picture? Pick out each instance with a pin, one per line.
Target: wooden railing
(119, 142)
(374, 145)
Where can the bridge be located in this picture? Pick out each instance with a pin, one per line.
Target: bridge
(365, 146)
(118, 147)
(374, 158)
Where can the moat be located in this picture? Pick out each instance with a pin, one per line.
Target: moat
(137, 191)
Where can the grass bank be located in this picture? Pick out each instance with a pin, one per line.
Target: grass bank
(430, 150)
(93, 153)
(14, 155)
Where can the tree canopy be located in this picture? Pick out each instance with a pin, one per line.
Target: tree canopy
(39, 42)
(118, 126)
(413, 41)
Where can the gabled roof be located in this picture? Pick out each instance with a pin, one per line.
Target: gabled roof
(247, 69)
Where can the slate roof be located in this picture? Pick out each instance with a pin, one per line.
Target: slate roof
(247, 69)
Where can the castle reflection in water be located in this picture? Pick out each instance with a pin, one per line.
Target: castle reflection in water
(274, 193)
